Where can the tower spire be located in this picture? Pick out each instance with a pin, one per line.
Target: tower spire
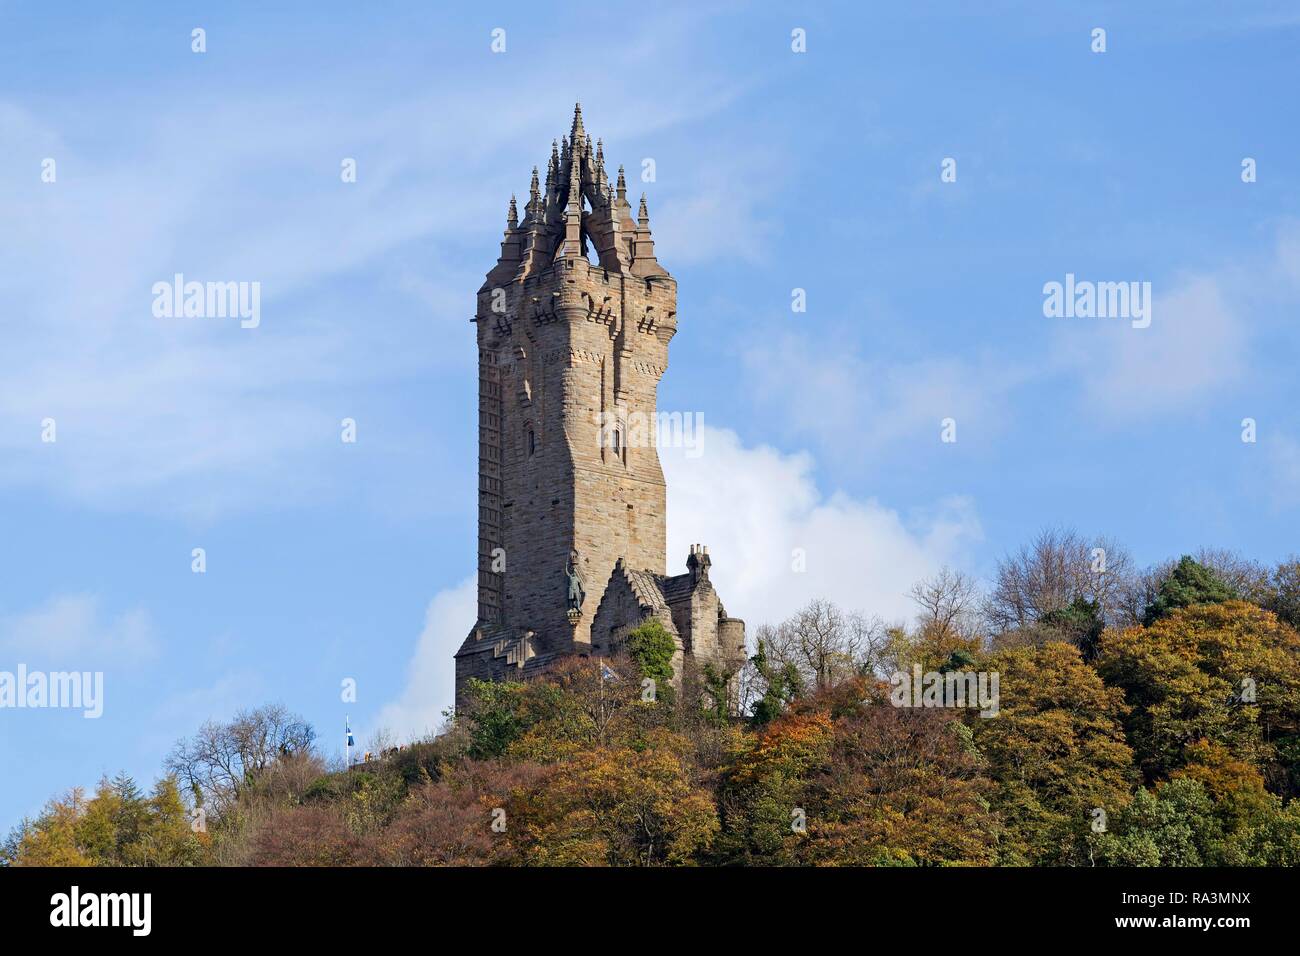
(573, 243)
(643, 246)
(534, 198)
(577, 130)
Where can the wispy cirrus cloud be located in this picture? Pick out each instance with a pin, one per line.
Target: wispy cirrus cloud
(364, 286)
(860, 404)
(75, 630)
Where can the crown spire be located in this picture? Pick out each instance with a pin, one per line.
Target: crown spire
(534, 197)
(573, 246)
(644, 262)
(559, 224)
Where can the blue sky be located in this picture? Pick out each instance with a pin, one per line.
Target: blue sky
(774, 171)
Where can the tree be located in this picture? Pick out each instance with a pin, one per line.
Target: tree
(780, 683)
(651, 647)
(448, 822)
(844, 778)
(716, 683)
(1051, 572)
(51, 839)
(949, 606)
(1221, 672)
(1175, 826)
(823, 644)
(315, 835)
(767, 785)
(222, 760)
(581, 703)
(1189, 583)
(1246, 578)
(496, 715)
(1284, 593)
(168, 836)
(1056, 753)
(1189, 822)
(1236, 786)
(1272, 841)
(1080, 623)
(96, 832)
(118, 826)
(904, 787)
(618, 807)
(932, 647)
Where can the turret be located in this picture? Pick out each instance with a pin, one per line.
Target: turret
(644, 262)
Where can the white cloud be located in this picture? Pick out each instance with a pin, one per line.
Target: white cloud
(1194, 346)
(431, 676)
(833, 394)
(72, 629)
(363, 286)
(751, 506)
(754, 506)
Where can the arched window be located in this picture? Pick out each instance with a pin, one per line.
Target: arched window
(618, 443)
(532, 442)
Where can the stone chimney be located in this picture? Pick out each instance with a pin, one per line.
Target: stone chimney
(697, 563)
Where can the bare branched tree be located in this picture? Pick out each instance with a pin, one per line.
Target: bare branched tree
(949, 604)
(380, 740)
(1248, 578)
(1284, 598)
(221, 761)
(825, 644)
(1051, 572)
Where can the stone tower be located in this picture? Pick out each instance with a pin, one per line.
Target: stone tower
(573, 324)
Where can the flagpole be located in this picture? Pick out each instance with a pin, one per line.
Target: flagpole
(347, 742)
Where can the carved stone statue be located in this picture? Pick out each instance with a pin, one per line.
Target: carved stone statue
(573, 582)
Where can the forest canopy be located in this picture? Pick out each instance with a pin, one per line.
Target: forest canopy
(1144, 718)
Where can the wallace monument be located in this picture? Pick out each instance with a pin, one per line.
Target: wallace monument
(571, 518)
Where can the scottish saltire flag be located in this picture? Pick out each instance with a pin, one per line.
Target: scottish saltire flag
(348, 729)
(607, 673)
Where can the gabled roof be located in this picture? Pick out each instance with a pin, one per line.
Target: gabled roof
(648, 588)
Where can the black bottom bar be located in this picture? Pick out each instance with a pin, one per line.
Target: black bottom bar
(338, 906)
